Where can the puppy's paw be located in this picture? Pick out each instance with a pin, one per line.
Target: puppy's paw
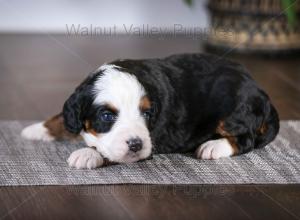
(37, 132)
(85, 158)
(215, 149)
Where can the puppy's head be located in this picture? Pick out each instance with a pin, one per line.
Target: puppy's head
(112, 112)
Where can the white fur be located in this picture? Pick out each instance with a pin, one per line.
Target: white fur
(85, 158)
(37, 132)
(124, 92)
(215, 149)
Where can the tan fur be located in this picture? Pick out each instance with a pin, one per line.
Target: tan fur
(89, 128)
(263, 128)
(112, 108)
(231, 139)
(56, 128)
(145, 103)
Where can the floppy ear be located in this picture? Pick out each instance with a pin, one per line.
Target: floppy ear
(77, 105)
(72, 113)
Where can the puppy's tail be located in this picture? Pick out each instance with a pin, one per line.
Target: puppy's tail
(52, 129)
(268, 129)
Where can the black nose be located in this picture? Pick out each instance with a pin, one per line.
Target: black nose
(135, 144)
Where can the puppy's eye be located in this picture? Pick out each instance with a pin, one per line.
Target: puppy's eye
(108, 116)
(147, 114)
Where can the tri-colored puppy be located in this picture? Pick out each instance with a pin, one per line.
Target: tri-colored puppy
(128, 109)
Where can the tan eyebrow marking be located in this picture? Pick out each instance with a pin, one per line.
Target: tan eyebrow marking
(112, 108)
(145, 103)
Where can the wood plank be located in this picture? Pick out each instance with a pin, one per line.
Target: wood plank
(285, 196)
(56, 202)
(150, 202)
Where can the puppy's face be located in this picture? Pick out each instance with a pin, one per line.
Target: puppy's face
(117, 121)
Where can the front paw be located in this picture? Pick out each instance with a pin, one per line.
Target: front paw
(215, 149)
(85, 158)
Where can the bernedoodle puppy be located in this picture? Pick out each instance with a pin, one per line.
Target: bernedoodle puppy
(128, 109)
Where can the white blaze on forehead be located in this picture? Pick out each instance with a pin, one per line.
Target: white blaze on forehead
(118, 88)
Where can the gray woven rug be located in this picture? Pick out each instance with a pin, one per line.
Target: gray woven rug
(24, 162)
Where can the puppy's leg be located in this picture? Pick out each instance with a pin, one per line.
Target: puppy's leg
(229, 144)
(85, 158)
(225, 147)
(242, 131)
(52, 129)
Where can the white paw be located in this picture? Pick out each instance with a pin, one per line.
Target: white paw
(85, 158)
(37, 132)
(215, 149)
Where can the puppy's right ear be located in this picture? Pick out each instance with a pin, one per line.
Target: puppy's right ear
(72, 113)
(76, 106)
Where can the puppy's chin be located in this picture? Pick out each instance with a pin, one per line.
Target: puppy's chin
(130, 157)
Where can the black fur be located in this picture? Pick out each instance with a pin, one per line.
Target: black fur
(79, 105)
(191, 95)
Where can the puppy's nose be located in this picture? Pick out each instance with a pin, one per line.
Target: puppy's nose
(135, 144)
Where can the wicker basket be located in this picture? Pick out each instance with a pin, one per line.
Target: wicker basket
(252, 25)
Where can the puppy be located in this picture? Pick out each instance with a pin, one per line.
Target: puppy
(128, 109)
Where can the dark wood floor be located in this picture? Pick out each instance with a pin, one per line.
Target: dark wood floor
(38, 72)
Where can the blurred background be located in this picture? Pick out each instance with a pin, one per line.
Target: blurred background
(48, 47)
(53, 15)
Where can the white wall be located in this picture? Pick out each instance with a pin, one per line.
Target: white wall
(54, 15)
